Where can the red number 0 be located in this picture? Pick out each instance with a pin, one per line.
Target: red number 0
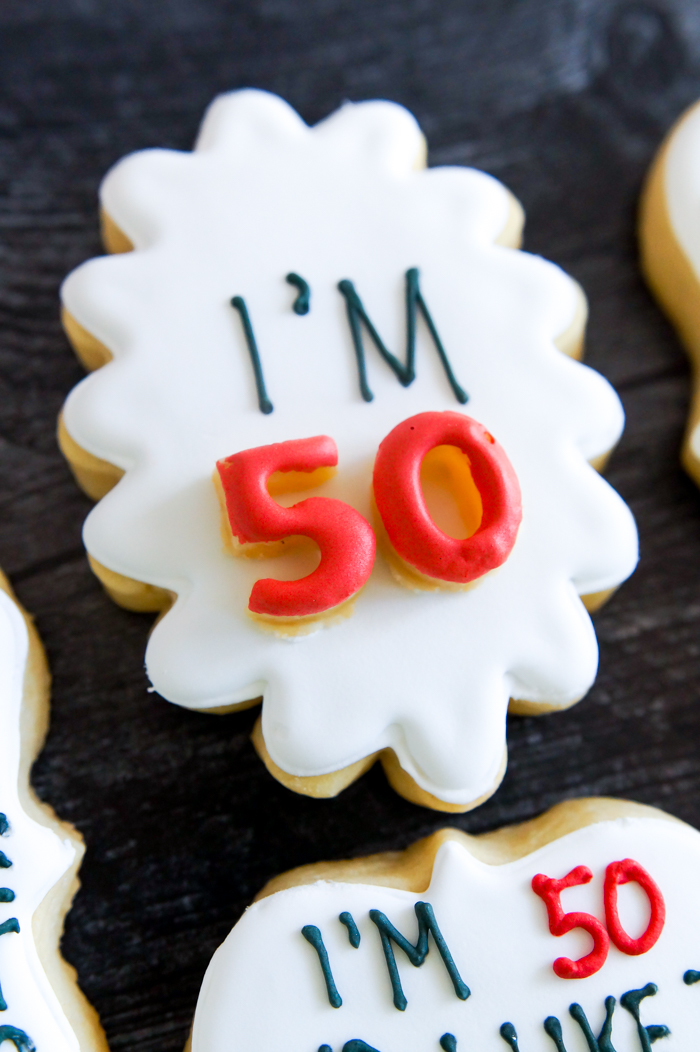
(549, 890)
(622, 873)
(345, 538)
(560, 923)
(401, 504)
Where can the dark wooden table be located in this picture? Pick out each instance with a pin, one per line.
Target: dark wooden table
(565, 101)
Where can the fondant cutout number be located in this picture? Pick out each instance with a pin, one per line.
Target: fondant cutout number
(622, 873)
(345, 539)
(560, 923)
(488, 493)
(411, 531)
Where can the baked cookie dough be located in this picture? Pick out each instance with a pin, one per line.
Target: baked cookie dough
(41, 1006)
(294, 296)
(669, 233)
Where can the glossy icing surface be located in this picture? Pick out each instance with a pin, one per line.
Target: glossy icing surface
(261, 196)
(264, 987)
(39, 859)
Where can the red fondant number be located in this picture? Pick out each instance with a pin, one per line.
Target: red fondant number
(622, 873)
(549, 890)
(346, 540)
(560, 923)
(404, 513)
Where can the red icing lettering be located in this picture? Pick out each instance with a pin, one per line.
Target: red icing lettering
(549, 890)
(403, 510)
(622, 873)
(346, 540)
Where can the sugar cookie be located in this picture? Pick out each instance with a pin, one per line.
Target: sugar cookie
(41, 1006)
(277, 270)
(669, 233)
(578, 930)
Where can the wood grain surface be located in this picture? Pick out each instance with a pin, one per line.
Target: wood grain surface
(566, 102)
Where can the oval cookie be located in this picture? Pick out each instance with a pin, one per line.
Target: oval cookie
(450, 945)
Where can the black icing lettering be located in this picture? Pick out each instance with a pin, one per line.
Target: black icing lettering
(312, 935)
(647, 1034)
(416, 954)
(510, 1036)
(353, 933)
(264, 403)
(21, 1041)
(405, 372)
(302, 303)
(11, 925)
(602, 1043)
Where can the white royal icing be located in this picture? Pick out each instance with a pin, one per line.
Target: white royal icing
(682, 186)
(429, 674)
(264, 987)
(39, 857)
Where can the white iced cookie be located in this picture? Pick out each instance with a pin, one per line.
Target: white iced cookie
(577, 931)
(670, 245)
(41, 1006)
(313, 305)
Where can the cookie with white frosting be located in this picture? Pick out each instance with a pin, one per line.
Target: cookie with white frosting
(669, 233)
(280, 305)
(41, 1007)
(577, 931)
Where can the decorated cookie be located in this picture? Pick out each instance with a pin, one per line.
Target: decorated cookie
(670, 247)
(41, 1007)
(351, 461)
(576, 932)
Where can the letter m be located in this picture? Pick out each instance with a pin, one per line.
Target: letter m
(416, 954)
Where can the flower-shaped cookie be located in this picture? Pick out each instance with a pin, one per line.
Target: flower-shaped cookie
(289, 284)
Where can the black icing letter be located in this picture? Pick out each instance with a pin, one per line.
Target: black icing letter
(21, 1041)
(416, 954)
(404, 372)
(264, 403)
(312, 935)
(647, 1034)
(349, 922)
(7, 926)
(602, 1043)
(510, 1036)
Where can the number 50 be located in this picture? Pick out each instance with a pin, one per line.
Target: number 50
(259, 525)
(549, 890)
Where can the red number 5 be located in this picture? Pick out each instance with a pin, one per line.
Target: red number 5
(560, 923)
(549, 890)
(346, 540)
